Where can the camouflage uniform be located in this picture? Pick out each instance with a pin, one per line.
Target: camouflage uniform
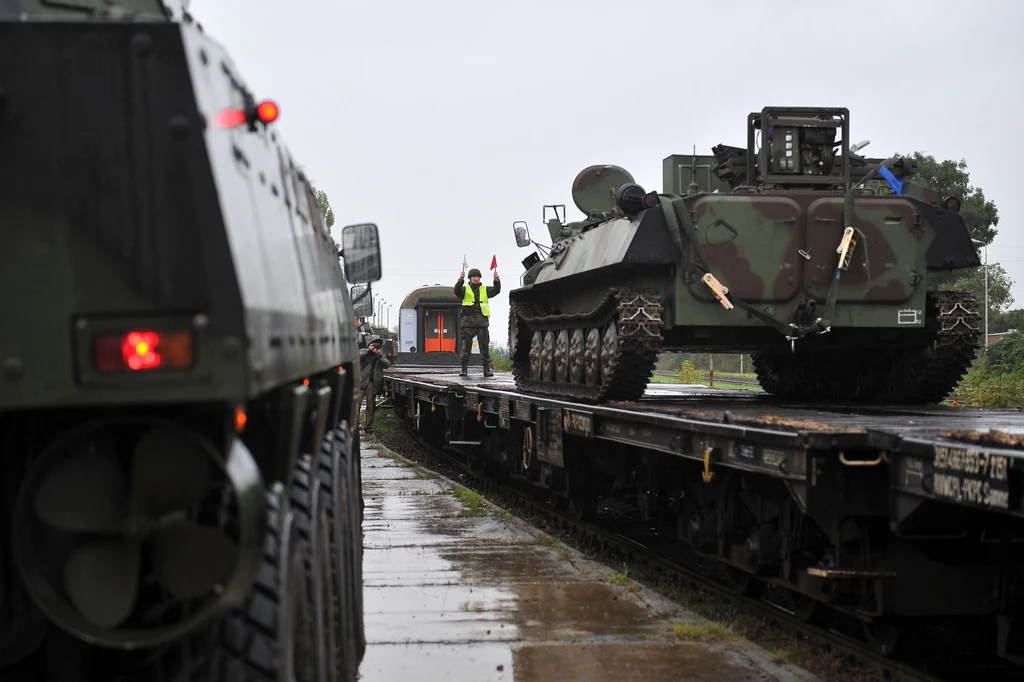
(475, 323)
(370, 365)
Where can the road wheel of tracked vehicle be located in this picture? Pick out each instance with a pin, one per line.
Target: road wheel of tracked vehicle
(576, 360)
(547, 357)
(562, 356)
(536, 344)
(513, 334)
(592, 358)
(609, 350)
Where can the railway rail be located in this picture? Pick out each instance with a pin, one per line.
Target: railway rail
(874, 468)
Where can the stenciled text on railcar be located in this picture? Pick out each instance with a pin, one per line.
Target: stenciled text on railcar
(972, 476)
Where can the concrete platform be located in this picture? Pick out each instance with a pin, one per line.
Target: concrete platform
(458, 590)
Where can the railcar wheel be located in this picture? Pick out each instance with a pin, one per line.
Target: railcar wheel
(744, 582)
(582, 494)
(556, 500)
(806, 608)
(882, 636)
(583, 506)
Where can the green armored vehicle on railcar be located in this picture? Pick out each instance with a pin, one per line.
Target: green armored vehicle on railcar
(182, 497)
(784, 249)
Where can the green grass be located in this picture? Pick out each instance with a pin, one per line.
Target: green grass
(705, 632)
(473, 502)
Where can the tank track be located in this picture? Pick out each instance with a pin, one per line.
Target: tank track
(917, 375)
(630, 318)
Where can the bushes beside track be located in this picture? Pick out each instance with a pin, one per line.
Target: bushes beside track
(996, 379)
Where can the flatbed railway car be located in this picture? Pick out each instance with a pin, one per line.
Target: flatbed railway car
(882, 514)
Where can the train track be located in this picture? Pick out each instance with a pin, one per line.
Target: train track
(712, 581)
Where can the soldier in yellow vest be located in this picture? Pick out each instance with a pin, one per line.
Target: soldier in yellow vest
(476, 313)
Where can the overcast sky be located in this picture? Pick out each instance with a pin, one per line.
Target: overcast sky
(445, 121)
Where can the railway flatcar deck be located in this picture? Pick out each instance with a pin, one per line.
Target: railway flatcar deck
(845, 506)
(726, 412)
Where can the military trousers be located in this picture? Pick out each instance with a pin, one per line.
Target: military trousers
(483, 336)
(371, 403)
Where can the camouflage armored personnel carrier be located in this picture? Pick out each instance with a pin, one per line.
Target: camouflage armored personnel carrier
(181, 464)
(796, 249)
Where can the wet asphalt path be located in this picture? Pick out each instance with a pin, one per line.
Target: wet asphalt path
(470, 594)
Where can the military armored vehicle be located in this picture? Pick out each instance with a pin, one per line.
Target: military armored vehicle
(796, 249)
(365, 330)
(181, 461)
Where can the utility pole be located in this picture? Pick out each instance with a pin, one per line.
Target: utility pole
(986, 296)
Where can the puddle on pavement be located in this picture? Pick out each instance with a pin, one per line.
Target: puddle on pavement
(548, 611)
(626, 662)
(450, 597)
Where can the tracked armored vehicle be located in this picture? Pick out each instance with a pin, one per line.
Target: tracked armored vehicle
(796, 249)
(177, 370)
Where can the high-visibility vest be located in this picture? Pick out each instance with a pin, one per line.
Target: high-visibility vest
(469, 299)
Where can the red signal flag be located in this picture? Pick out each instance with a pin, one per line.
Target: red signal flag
(494, 262)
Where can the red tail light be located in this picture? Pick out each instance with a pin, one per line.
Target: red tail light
(139, 350)
(266, 112)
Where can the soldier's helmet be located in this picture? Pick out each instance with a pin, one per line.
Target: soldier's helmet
(475, 273)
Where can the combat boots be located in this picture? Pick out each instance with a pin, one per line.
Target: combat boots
(487, 369)
(465, 369)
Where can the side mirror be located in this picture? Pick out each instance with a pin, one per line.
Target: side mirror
(360, 249)
(362, 301)
(522, 233)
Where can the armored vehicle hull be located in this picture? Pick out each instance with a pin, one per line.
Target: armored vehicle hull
(176, 384)
(821, 276)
